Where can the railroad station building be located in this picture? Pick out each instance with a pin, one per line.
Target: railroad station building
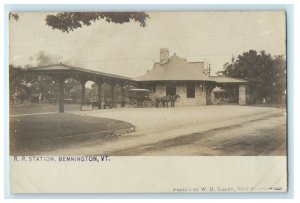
(192, 82)
(170, 76)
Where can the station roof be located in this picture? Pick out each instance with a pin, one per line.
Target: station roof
(176, 69)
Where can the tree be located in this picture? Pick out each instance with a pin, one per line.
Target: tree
(19, 84)
(68, 21)
(23, 85)
(280, 76)
(266, 74)
(13, 16)
(73, 90)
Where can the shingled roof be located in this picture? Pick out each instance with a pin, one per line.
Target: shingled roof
(223, 79)
(176, 69)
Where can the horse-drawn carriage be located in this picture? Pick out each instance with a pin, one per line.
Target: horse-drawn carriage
(141, 98)
(145, 98)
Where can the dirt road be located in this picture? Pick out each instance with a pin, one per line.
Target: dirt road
(201, 130)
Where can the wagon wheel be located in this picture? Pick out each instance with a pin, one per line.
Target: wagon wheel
(146, 104)
(133, 102)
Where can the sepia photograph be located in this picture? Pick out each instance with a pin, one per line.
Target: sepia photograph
(91, 86)
(148, 83)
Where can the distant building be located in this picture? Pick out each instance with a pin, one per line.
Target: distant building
(191, 81)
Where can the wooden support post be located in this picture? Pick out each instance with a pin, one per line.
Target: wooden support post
(83, 92)
(99, 95)
(122, 96)
(61, 93)
(113, 95)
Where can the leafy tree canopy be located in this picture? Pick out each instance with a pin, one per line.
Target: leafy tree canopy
(13, 16)
(69, 21)
(266, 73)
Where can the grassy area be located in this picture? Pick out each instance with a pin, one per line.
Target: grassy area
(47, 131)
(39, 108)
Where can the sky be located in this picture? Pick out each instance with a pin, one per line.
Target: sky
(131, 50)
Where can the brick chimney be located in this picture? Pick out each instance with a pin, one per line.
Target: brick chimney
(206, 67)
(164, 55)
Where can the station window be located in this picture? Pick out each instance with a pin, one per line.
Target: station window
(190, 90)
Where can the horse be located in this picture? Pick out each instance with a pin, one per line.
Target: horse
(158, 100)
(173, 98)
(166, 99)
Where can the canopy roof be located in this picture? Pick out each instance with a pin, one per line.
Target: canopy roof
(223, 79)
(66, 68)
